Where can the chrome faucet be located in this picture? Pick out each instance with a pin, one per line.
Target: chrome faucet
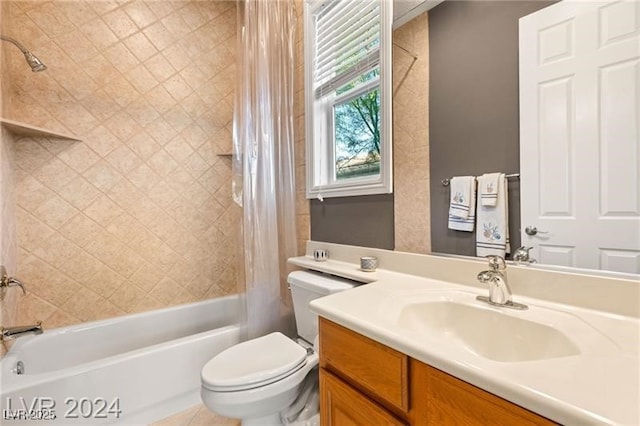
(14, 332)
(496, 277)
(521, 255)
(7, 281)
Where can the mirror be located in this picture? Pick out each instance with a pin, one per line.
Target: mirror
(473, 109)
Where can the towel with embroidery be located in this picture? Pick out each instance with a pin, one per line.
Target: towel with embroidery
(462, 207)
(489, 189)
(492, 235)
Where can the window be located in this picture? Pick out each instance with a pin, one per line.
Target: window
(348, 97)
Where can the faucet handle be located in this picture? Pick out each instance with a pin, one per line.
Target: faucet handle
(7, 281)
(521, 255)
(523, 250)
(496, 263)
(12, 282)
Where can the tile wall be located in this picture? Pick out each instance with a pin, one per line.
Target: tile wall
(411, 137)
(5, 81)
(8, 243)
(8, 239)
(303, 215)
(138, 215)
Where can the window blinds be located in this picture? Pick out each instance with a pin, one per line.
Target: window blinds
(347, 42)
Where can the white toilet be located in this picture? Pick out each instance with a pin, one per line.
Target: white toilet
(259, 379)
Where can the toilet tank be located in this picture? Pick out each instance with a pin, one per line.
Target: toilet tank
(306, 286)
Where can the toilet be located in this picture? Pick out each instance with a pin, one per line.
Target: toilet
(259, 379)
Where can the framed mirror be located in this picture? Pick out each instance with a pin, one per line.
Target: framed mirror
(463, 120)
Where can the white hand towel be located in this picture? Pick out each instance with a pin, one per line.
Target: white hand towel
(489, 189)
(492, 236)
(463, 200)
(460, 198)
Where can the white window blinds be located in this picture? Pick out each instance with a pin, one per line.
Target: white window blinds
(347, 42)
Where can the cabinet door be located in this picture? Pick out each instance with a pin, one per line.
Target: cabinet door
(340, 405)
(440, 399)
(374, 368)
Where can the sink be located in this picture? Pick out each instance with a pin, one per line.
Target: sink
(487, 331)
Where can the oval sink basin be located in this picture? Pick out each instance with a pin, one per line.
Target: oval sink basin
(486, 331)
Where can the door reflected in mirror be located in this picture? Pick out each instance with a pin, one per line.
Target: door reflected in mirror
(580, 165)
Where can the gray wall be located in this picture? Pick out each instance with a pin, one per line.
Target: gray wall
(359, 221)
(473, 115)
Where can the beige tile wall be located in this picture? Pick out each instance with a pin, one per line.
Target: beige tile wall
(4, 46)
(303, 215)
(411, 137)
(139, 214)
(8, 239)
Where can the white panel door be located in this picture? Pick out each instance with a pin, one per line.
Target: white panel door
(579, 134)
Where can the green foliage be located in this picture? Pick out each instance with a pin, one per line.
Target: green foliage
(357, 127)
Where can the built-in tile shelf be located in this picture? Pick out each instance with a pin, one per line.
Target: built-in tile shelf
(24, 129)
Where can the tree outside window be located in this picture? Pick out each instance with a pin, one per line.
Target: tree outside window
(357, 131)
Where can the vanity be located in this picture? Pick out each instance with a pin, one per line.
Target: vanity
(414, 346)
(389, 387)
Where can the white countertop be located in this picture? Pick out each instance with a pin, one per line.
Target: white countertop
(596, 387)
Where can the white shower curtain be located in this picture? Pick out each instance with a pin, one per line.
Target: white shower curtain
(263, 159)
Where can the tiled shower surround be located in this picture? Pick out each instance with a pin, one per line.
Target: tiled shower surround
(303, 216)
(412, 227)
(8, 240)
(138, 215)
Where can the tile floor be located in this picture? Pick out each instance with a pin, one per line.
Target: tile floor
(197, 416)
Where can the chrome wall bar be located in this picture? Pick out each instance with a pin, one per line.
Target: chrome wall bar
(447, 181)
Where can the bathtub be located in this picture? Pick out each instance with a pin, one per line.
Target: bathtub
(133, 369)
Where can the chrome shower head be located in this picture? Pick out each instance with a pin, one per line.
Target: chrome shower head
(33, 61)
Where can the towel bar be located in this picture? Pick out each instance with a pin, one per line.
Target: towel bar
(447, 181)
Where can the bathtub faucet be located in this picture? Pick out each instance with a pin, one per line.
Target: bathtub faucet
(14, 332)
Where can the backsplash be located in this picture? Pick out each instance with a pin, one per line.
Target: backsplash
(138, 215)
(591, 289)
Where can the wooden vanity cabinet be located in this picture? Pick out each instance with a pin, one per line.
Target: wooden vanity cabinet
(343, 405)
(363, 382)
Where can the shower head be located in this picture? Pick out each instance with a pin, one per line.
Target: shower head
(33, 61)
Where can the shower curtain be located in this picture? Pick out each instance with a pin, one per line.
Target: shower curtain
(263, 160)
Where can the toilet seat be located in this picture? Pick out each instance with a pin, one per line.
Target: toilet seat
(254, 363)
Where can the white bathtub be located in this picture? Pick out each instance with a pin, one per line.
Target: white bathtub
(145, 365)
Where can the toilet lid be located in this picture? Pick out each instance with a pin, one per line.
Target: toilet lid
(253, 363)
